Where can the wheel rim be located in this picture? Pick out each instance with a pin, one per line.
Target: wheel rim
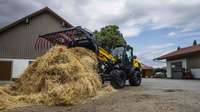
(120, 80)
(138, 78)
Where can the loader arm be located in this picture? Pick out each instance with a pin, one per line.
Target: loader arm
(71, 37)
(105, 56)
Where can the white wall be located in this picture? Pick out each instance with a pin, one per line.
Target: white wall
(18, 66)
(169, 73)
(196, 73)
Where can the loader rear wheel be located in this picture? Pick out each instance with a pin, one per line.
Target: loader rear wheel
(118, 79)
(136, 80)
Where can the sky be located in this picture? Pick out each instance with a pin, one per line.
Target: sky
(152, 27)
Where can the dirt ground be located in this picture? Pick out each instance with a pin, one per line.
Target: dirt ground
(155, 95)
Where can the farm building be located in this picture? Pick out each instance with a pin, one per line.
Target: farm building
(17, 40)
(147, 71)
(182, 59)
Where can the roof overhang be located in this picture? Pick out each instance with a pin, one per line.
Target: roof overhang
(180, 53)
(179, 56)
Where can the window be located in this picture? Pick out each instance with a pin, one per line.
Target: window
(30, 62)
(129, 54)
(118, 52)
(176, 66)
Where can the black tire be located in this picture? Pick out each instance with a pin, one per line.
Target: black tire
(118, 79)
(136, 80)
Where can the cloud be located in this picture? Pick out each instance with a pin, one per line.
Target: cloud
(130, 31)
(188, 34)
(153, 51)
(172, 34)
(131, 15)
(161, 46)
(10, 10)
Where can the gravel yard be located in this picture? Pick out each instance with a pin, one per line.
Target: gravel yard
(154, 95)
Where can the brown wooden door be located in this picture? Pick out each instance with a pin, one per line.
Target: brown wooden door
(5, 70)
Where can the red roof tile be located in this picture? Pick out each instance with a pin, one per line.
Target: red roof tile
(181, 52)
(146, 67)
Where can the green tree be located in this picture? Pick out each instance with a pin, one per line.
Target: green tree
(109, 36)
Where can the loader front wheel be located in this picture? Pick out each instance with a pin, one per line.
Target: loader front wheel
(118, 79)
(136, 80)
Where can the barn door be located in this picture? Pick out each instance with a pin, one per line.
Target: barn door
(5, 70)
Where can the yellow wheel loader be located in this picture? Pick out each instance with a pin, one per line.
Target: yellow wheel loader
(115, 66)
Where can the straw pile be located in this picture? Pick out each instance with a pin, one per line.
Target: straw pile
(6, 99)
(9, 100)
(60, 77)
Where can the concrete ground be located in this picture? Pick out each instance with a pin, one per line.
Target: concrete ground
(172, 84)
(154, 95)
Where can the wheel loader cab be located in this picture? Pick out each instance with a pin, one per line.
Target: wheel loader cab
(118, 53)
(124, 55)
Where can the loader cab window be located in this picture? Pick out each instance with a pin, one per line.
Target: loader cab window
(118, 52)
(129, 54)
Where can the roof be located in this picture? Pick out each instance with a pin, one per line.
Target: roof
(181, 52)
(146, 67)
(45, 9)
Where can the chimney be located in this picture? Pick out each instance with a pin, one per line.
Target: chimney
(195, 43)
(178, 48)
